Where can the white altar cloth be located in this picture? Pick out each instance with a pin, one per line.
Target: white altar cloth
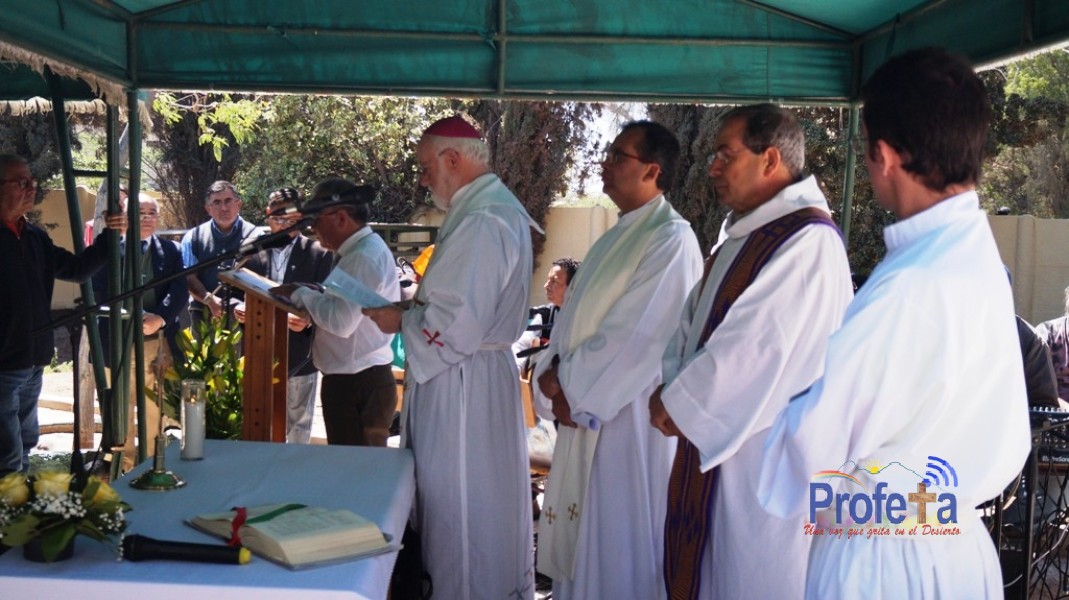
(377, 483)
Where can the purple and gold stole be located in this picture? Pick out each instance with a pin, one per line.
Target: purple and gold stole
(690, 492)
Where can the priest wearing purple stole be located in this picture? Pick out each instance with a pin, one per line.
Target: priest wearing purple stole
(752, 334)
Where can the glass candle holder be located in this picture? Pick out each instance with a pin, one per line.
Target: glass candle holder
(194, 399)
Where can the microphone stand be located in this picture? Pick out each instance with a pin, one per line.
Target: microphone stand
(245, 250)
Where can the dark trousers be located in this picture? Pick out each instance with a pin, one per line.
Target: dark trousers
(358, 408)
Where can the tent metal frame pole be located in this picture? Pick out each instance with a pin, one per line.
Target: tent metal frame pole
(495, 38)
(848, 176)
(115, 397)
(74, 211)
(134, 233)
(502, 45)
(514, 94)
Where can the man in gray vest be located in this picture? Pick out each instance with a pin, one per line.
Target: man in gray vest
(225, 232)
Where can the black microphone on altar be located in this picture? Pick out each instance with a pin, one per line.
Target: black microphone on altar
(137, 548)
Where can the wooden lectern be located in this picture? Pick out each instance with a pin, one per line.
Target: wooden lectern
(265, 344)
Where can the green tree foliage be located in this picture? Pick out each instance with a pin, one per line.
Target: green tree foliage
(196, 146)
(372, 140)
(305, 139)
(1029, 143)
(212, 357)
(33, 137)
(534, 146)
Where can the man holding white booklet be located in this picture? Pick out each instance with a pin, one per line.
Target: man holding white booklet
(358, 391)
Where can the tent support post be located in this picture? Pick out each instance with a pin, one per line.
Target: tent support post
(848, 177)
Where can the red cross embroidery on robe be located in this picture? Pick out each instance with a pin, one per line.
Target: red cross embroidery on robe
(432, 339)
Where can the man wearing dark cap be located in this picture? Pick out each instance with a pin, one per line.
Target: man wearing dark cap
(359, 395)
(463, 417)
(302, 260)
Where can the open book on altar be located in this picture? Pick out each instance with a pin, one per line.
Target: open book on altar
(298, 536)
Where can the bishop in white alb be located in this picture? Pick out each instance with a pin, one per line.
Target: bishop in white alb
(463, 418)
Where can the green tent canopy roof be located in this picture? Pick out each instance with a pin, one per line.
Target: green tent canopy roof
(797, 51)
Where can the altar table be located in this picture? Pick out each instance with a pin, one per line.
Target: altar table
(377, 483)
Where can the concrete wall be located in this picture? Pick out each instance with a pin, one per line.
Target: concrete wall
(55, 220)
(1035, 250)
(569, 232)
(1037, 254)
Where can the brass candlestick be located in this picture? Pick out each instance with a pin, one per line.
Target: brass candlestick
(159, 478)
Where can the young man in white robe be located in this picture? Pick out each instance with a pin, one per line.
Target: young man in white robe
(462, 414)
(725, 382)
(603, 513)
(920, 414)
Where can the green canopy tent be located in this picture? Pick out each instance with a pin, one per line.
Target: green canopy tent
(805, 51)
(814, 52)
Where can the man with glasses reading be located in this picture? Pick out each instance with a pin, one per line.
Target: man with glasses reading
(752, 334)
(160, 322)
(225, 232)
(301, 260)
(359, 394)
(30, 263)
(603, 514)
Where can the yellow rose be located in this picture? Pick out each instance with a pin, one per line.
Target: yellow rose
(104, 493)
(52, 483)
(13, 489)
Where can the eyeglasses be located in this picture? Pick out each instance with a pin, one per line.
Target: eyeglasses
(724, 156)
(614, 155)
(325, 213)
(222, 202)
(149, 216)
(23, 183)
(860, 146)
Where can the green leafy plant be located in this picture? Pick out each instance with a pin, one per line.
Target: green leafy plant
(211, 356)
(55, 506)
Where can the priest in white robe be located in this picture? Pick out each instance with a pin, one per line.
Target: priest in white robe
(462, 415)
(923, 390)
(723, 388)
(601, 521)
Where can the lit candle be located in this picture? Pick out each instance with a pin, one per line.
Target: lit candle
(192, 430)
(193, 398)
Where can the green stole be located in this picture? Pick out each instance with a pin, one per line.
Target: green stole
(690, 492)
